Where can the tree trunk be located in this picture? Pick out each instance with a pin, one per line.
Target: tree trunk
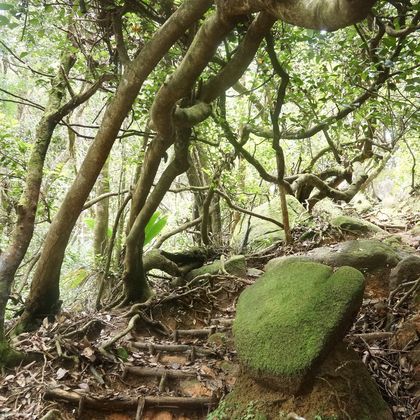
(135, 282)
(101, 220)
(21, 237)
(44, 293)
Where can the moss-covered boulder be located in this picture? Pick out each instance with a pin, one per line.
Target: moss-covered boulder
(289, 320)
(342, 389)
(363, 254)
(263, 233)
(355, 225)
(235, 265)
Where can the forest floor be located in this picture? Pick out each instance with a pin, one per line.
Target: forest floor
(173, 357)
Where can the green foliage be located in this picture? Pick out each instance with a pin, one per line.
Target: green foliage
(75, 278)
(155, 225)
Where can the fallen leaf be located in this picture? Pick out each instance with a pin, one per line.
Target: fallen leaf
(61, 373)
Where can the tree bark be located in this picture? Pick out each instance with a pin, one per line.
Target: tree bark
(100, 239)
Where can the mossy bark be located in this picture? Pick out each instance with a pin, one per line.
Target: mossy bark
(100, 241)
(22, 234)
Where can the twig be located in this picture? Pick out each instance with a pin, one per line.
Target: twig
(407, 295)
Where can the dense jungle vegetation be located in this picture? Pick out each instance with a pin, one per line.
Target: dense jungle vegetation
(142, 139)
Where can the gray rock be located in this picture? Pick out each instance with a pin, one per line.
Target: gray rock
(363, 254)
(407, 269)
(355, 225)
(262, 233)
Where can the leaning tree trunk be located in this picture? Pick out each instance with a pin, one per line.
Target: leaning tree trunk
(21, 237)
(44, 293)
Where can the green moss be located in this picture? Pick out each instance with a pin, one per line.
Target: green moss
(8, 356)
(353, 224)
(235, 265)
(293, 314)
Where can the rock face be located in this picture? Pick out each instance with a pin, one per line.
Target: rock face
(289, 320)
(355, 225)
(235, 265)
(365, 254)
(263, 233)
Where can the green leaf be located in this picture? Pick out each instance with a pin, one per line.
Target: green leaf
(3, 20)
(90, 223)
(122, 353)
(6, 6)
(154, 227)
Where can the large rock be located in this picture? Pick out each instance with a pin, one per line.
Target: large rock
(355, 225)
(407, 269)
(290, 319)
(235, 265)
(363, 254)
(263, 233)
(342, 389)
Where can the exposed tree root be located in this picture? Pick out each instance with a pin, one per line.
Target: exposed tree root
(106, 403)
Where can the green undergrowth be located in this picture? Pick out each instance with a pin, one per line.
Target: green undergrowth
(293, 313)
(234, 411)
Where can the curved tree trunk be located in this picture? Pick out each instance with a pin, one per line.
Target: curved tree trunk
(44, 293)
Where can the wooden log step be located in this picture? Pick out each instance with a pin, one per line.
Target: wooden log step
(226, 322)
(106, 403)
(172, 348)
(157, 372)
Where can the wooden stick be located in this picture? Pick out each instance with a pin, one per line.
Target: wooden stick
(171, 348)
(140, 407)
(106, 403)
(205, 332)
(407, 295)
(170, 373)
(373, 335)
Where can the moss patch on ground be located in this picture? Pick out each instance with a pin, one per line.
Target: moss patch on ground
(292, 316)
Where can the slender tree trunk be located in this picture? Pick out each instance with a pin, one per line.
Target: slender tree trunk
(21, 237)
(101, 220)
(44, 293)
